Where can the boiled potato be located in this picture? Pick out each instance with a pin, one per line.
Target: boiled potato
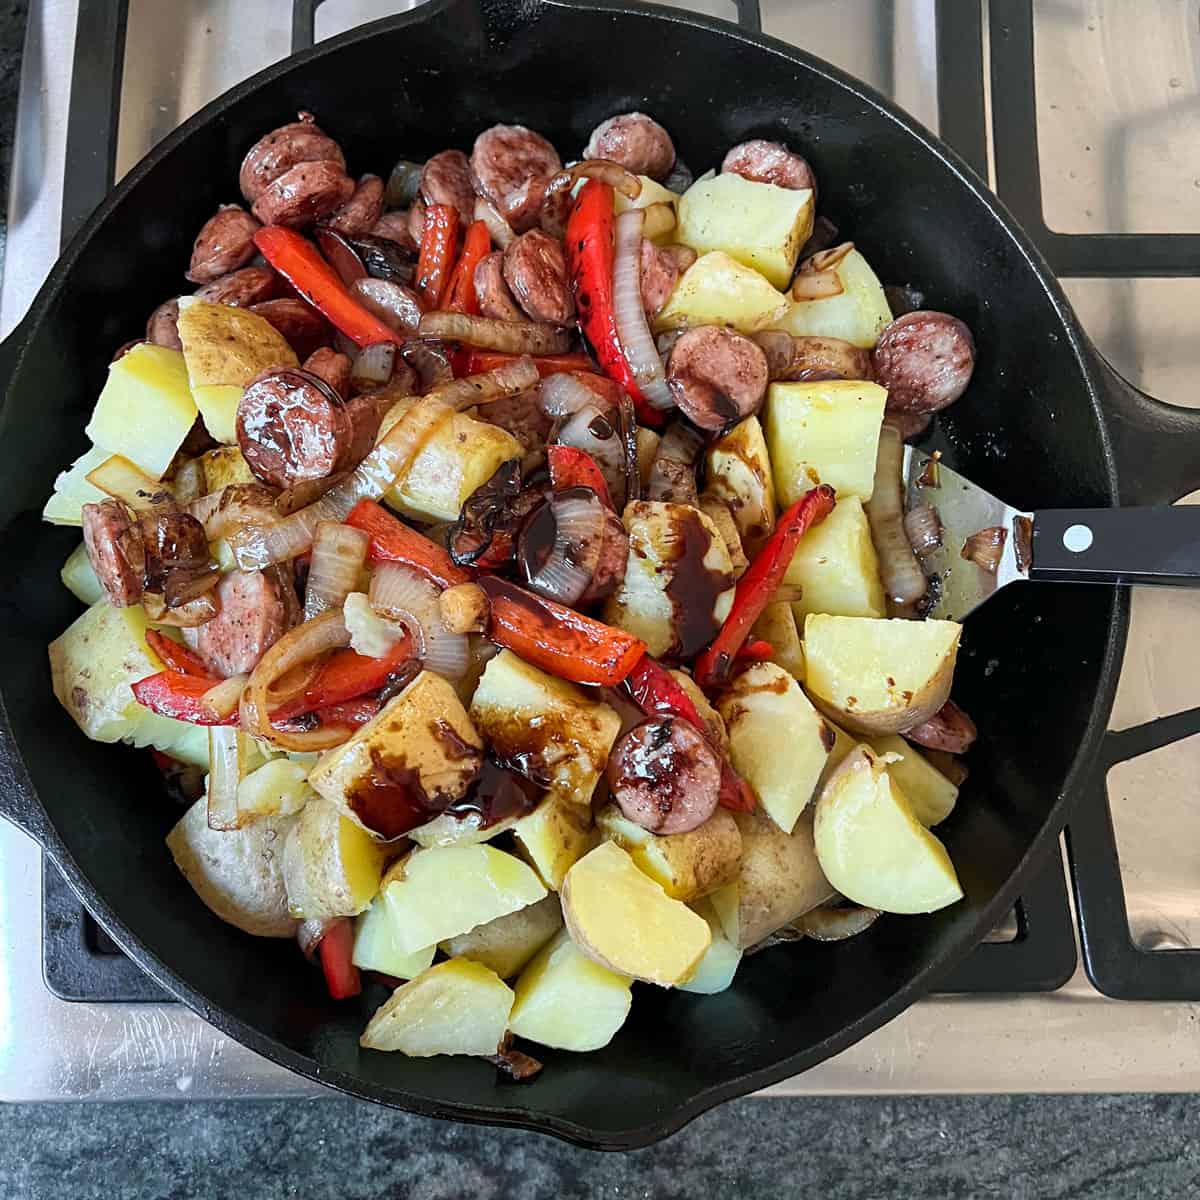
(457, 1007)
(424, 731)
(739, 472)
(529, 716)
(778, 742)
(438, 894)
(79, 578)
(652, 192)
(824, 432)
(223, 467)
(720, 962)
(667, 545)
(565, 1000)
(146, 408)
(857, 315)
(871, 845)
(777, 625)
(375, 946)
(879, 676)
(238, 874)
(714, 726)
(930, 795)
(72, 489)
(843, 743)
(685, 865)
(224, 349)
(836, 568)
(624, 921)
(460, 455)
(278, 786)
(506, 944)
(330, 866)
(719, 290)
(554, 837)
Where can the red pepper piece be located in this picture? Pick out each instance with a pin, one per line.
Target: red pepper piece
(393, 541)
(735, 793)
(571, 467)
(345, 675)
(558, 639)
(460, 295)
(756, 650)
(589, 246)
(477, 362)
(336, 951)
(762, 577)
(350, 712)
(298, 261)
(173, 695)
(439, 244)
(177, 657)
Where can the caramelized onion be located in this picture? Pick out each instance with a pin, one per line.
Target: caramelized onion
(816, 285)
(903, 580)
(401, 594)
(501, 231)
(835, 924)
(985, 548)
(563, 395)
(556, 196)
(223, 698)
(949, 729)
(373, 365)
(923, 528)
(511, 337)
(338, 554)
(632, 330)
(562, 567)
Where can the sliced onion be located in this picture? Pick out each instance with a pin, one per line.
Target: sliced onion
(950, 729)
(903, 580)
(632, 330)
(826, 260)
(816, 285)
(404, 184)
(682, 442)
(429, 361)
(394, 304)
(563, 395)
(341, 256)
(338, 554)
(680, 178)
(595, 430)
(923, 528)
(197, 611)
(188, 481)
(233, 506)
(579, 521)
(985, 548)
(371, 635)
(556, 195)
(226, 766)
(309, 933)
(830, 924)
(402, 594)
(511, 337)
(373, 365)
(497, 226)
(222, 699)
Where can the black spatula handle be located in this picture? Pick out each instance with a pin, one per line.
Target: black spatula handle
(1159, 545)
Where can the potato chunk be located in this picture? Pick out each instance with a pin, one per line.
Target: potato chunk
(624, 921)
(824, 432)
(879, 676)
(719, 290)
(554, 837)
(930, 795)
(375, 946)
(836, 568)
(457, 1007)
(330, 866)
(565, 1000)
(72, 489)
(777, 625)
(720, 962)
(739, 472)
(873, 848)
(857, 315)
(79, 578)
(506, 944)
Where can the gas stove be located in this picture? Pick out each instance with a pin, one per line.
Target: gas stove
(1084, 116)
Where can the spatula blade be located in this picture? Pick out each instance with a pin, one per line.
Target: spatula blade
(957, 584)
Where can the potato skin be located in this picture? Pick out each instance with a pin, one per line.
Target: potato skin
(320, 881)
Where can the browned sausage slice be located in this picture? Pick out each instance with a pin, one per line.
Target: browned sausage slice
(716, 376)
(241, 289)
(114, 548)
(282, 149)
(304, 194)
(360, 213)
(446, 179)
(163, 326)
(660, 273)
(303, 328)
(614, 558)
(224, 243)
(495, 300)
(333, 367)
(535, 270)
(510, 166)
(798, 359)
(665, 776)
(396, 227)
(925, 360)
(769, 162)
(638, 142)
(252, 618)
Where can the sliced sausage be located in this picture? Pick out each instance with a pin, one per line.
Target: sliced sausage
(660, 272)
(798, 359)
(361, 212)
(163, 326)
(614, 558)
(304, 194)
(665, 776)
(511, 166)
(303, 328)
(949, 729)
(394, 304)
(281, 149)
(446, 179)
(925, 360)
(396, 227)
(252, 618)
(672, 481)
(241, 289)
(522, 416)
(638, 142)
(114, 547)
(716, 376)
(769, 162)
(333, 367)
(416, 221)
(684, 256)
(495, 300)
(224, 243)
(535, 270)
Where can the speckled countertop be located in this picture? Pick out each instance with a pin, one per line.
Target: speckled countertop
(1003, 1146)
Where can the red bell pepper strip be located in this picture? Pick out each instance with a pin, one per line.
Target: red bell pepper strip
(179, 658)
(345, 675)
(477, 245)
(477, 362)
(589, 246)
(171, 694)
(556, 638)
(735, 794)
(762, 577)
(336, 951)
(393, 541)
(439, 244)
(571, 467)
(350, 712)
(300, 263)
(756, 650)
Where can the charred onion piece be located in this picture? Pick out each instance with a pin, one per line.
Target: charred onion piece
(903, 579)
(923, 527)
(949, 729)
(985, 548)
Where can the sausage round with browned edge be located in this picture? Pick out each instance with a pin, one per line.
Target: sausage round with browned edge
(535, 270)
(660, 272)
(114, 547)
(241, 289)
(333, 367)
(446, 179)
(252, 618)
(510, 166)
(281, 149)
(638, 142)
(360, 213)
(925, 360)
(769, 162)
(495, 300)
(224, 243)
(303, 328)
(614, 558)
(304, 194)
(717, 377)
(163, 326)
(665, 776)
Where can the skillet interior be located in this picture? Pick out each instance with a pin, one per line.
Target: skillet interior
(1036, 666)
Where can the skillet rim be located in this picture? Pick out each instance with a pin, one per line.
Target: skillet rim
(1090, 369)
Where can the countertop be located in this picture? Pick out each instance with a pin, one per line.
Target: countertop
(1005, 1146)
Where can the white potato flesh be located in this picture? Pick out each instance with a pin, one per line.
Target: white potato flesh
(718, 290)
(721, 960)
(836, 568)
(375, 946)
(506, 944)
(331, 867)
(79, 578)
(930, 794)
(554, 837)
(72, 489)
(857, 315)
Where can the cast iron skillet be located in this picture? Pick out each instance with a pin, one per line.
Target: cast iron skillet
(1044, 423)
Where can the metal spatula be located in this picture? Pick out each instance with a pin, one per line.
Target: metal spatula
(1066, 545)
